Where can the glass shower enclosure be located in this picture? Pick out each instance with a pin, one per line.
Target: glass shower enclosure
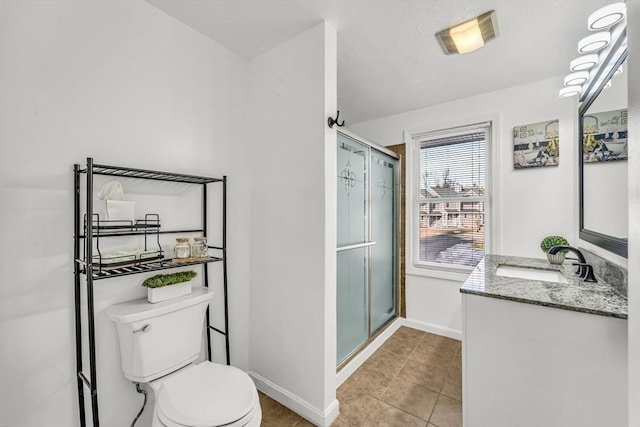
(366, 240)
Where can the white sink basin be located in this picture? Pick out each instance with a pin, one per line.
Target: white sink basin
(553, 276)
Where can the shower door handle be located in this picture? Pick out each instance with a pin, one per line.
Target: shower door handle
(356, 246)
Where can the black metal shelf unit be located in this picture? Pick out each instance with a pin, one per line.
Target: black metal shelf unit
(84, 238)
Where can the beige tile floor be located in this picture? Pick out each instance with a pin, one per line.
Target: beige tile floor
(414, 379)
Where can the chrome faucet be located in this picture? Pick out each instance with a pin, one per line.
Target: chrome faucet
(585, 271)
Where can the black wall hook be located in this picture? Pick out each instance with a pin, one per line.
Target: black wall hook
(333, 121)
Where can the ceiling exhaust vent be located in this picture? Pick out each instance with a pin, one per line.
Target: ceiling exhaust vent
(469, 35)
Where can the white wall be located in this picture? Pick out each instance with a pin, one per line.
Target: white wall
(126, 84)
(433, 304)
(633, 67)
(293, 353)
(529, 204)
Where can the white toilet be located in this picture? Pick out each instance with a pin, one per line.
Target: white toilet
(159, 342)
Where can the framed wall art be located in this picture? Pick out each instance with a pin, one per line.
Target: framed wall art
(536, 145)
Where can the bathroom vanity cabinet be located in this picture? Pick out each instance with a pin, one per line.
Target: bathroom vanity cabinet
(540, 353)
(90, 231)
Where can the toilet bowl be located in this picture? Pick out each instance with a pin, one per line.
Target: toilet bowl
(158, 346)
(206, 395)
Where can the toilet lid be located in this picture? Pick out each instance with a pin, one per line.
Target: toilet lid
(207, 395)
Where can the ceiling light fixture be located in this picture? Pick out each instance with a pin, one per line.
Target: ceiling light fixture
(606, 16)
(577, 78)
(569, 91)
(469, 35)
(594, 42)
(585, 62)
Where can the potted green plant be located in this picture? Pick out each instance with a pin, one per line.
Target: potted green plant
(164, 286)
(551, 241)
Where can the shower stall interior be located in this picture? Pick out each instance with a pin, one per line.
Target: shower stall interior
(367, 199)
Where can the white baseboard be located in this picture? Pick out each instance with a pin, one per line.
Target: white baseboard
(365, 353)
(434, 329)
(296, 404)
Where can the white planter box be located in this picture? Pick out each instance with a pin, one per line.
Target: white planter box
(166, 292)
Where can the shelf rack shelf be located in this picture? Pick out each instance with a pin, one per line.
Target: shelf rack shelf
(143, 232)
(84, 267)
(149, 174)
(144, 268)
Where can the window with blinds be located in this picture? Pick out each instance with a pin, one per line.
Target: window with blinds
(452, 196)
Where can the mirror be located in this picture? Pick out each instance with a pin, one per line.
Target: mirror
(603, 155)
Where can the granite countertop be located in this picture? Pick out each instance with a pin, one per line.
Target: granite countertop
(595, 298)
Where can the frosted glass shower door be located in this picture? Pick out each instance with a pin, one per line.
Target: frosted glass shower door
(352, 251)
(366, 253)
(383, 231)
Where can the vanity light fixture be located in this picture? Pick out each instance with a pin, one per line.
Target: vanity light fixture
(469, 35)
(591, 69)
(606, 16)
(569, 91)
(584, 62)
(608, 85)
(594, 42)
(577, 78)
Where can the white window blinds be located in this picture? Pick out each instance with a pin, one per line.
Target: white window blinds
(452, 196)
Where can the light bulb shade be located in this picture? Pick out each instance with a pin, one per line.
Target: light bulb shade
(606, 16)
(467, 36)
(618, 71)
(577, 78)
(594, 42)
(608, 85)
(569, 91)
(584, 62)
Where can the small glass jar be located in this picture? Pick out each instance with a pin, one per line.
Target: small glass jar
(199, 247)
(182, 248)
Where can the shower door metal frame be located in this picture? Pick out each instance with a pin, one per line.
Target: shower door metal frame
(397, 177)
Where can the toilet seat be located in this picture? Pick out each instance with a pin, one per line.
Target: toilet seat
(207, 395)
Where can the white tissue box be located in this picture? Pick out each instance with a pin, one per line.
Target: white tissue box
(120, 210)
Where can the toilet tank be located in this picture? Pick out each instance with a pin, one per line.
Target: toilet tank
(156, 339)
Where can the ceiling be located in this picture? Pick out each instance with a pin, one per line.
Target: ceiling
(388, 58)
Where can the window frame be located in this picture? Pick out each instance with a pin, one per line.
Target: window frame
(413, 139)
